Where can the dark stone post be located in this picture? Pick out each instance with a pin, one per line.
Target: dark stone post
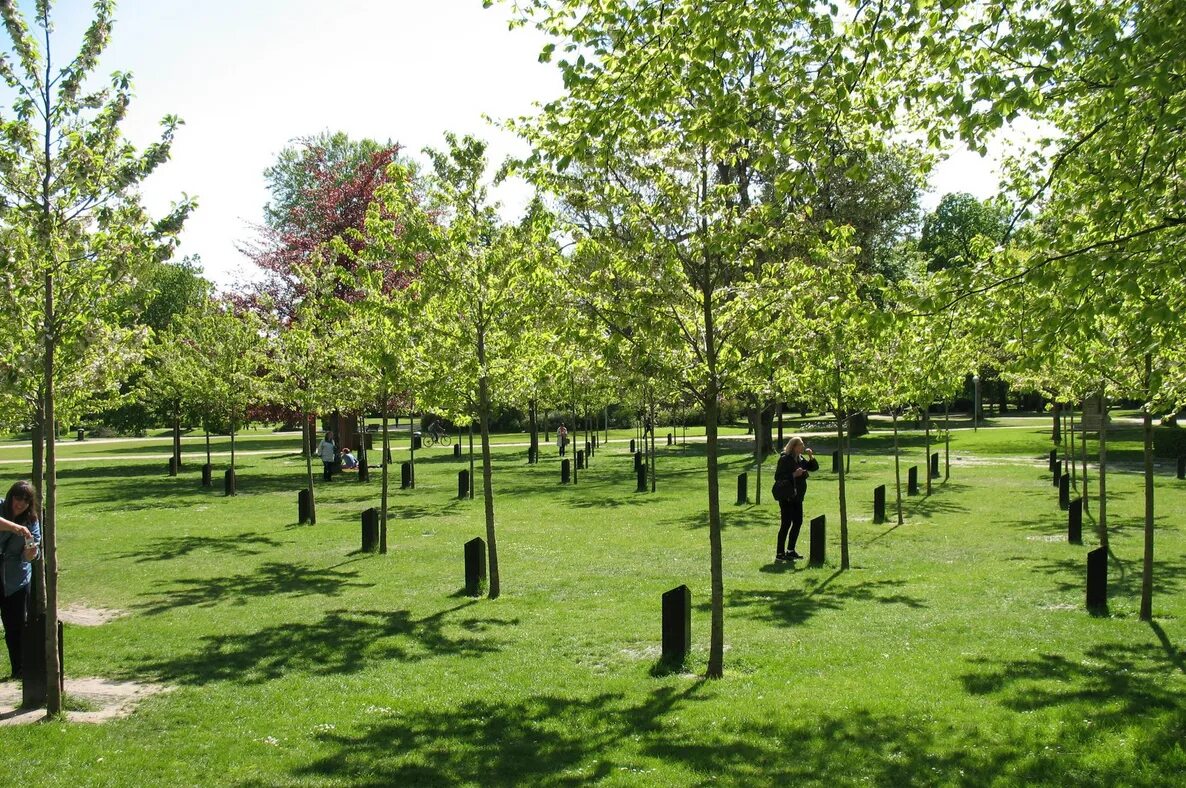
(1057, 473)
(1064, 492)
(912, 480)
(580, 460)
(879, 503)
(935, 465)
(457, 451)
(677, 625)
(207, 475)
(475, 566)
(1097, 581)
(81, 435)
(670, 439)
(1075, 522)
(370, 530)
(819, 531)
(405, 475)
(565, 471)
(836, 461)
(303, 506)
(228, 482)
(1053, 459)
(417, 441)
(742, 488)
(632, 444)
(641, 473)
(463, 484)
(172, 466)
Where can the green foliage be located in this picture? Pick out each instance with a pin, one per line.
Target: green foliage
(949, 231)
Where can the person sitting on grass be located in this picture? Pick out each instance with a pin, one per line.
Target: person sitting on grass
(349, 461)
(20, 534)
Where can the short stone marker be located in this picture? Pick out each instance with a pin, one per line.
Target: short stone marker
(228, 482)
(641, 473)
(879, 503)
(670, 439)
(632, 444)
(912, 480)
(819, 532)
(742, 488)
(172, 466)
(463, 484)
(1075, 522)
(677, 625)
(417, 441)
(405, 475)
(1057, 473)
(1097, 580)
(580, 460)
(81, 435)
(935, 465)
(475, 566)
(565, 471)
(836, 461)
(207, 475)
(1053, 458)
(303, 508)
(370, 530)
(457, 451)
(1064, 492)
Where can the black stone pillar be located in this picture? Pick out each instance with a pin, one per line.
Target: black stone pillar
(677, 625)
(641, 473)
(819, 532)
(405, 475)
(742, 488)
(463, 484)
(565, 471)
(228, 482)
(172, 466)
(836, 461)
(935, 465)
(1057, 473)
(1064, 492)
(303, 507)
(457, 451)
(417, 441)
(475, 566)
(580, 460)
(632, 444)
(1075, 522)
(1053, 459)
(370, 530)
(81, 435)
(912, 480)
(879, 503)
(1097, 580)
(207, 475)
(670, 439)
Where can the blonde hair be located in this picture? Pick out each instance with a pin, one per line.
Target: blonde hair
(789, 448)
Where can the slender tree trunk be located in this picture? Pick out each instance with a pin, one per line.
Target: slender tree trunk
(309, 478)
(844, 563)
(653, 459)
(778, 411)
(926, 423)
(1083, 453)
(1071, 456)
(533, 454)
(1056, 431)
(384, 467)
(1102, 519)
(755, 418)
(38, 440)
(716, 649)
(487, 469)
(897, 465)
(946, 441)
(206, 429)
(1147, 569)
(412, 441)
(472, 484)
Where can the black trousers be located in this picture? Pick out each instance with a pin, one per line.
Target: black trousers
(14, 610)
(791, 513)
(328, 471)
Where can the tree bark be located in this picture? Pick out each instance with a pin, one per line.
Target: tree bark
(897, 465)
(487, 468)
(1102, 520)
(1146, 613)
(926, 422)
(384, 468)
(309, 478)
(844, 563)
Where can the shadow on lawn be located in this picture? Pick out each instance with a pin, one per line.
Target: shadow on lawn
(138, 486)
(1124, 577)
(785, 608)
(169, 548)
(270, 580)
(342, 642)
(555, 740)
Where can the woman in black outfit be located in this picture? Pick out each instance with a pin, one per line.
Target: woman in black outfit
(794, 464)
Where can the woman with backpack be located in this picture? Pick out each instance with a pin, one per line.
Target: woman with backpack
(790, 486)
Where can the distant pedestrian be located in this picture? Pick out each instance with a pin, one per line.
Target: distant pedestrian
(561, 438)
(20, 537)
(327, 450)
(349, 461)
(790, 487)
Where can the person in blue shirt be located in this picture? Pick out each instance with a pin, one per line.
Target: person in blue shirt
(349, 461)
(20, 535)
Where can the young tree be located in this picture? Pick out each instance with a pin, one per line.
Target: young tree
(69, 181)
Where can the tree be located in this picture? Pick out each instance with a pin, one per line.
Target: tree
(68, 179)
(949, 231)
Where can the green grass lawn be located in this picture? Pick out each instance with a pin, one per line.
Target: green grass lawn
(955, 651)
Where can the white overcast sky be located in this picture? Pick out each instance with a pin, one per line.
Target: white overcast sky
(249, 76)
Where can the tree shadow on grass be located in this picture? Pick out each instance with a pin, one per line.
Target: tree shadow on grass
(270, 580)
(170, 548)
(1124, 580)
(342, 642)
(785, 608)
(553, 740)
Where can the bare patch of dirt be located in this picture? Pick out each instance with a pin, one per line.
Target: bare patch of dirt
(83, 616)
(110, 699)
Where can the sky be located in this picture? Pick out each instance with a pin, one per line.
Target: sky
(250, 76)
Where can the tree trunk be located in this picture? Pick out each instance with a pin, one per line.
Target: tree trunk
(177, 436)
(897, 465)
(1071, 454)
(412, 441)
(206, 429)
(385, 469)
(844, 564)
(926, 423)
(1146, 613)
(1056, 431)
(487, 468)
(946, 441)
(38, 440)
(472, 485)
(309, 478)
(533, 454)
(1102, 519)
(716, 649)
(1083, 454)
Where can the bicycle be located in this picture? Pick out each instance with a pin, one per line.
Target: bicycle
(431, 437)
